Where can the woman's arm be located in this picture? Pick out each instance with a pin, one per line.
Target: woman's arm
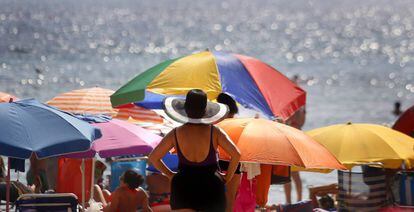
(162, 149)
(113, 205)
(225, 142)
(145, 202)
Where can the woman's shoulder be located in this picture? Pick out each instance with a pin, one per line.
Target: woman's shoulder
(141, 192)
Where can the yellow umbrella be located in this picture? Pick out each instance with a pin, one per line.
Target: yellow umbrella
(356, 144)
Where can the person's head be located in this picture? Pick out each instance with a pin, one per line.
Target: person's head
(100, 168)
(195, 103)
(131, 179)
(397, 108)
(397, 105)
(226, 99)
(326, 202)
(295, 78)
(194, 109)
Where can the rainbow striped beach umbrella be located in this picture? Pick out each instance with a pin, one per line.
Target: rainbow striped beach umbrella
(252, 83)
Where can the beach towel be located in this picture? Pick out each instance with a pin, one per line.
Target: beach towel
(263, 184)
(302, 206)
(405, 188)
(246, 196)
(362, 191)
(70, 177)
(251, 169)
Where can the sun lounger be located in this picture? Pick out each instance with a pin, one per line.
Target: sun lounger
(47, 202)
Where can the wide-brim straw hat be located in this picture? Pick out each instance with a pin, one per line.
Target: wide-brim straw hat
(175, 108)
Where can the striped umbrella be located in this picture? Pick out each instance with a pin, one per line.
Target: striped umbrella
(5, 97)
(96, 101)
(139, 114)
(252, 83)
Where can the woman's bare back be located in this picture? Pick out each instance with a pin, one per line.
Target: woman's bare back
(194, 141)
(127, 199)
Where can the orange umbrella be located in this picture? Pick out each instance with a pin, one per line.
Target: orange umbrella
(267, 142)
(96, 101)
(4, 97)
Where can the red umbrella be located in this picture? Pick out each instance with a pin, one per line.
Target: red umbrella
(405, 122)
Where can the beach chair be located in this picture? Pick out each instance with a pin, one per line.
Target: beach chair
(315, 193)
(362, 191)
(404, 188)
(119, 166)
(47, 202)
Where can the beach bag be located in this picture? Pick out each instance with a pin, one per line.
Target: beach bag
(280, 175)
(246, 195)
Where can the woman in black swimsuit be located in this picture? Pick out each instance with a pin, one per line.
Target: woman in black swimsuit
(197, 186)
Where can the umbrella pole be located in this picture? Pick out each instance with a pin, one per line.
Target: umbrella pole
(83, 184)
(8, 186)
(92, 179)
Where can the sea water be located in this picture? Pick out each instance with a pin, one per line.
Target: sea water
(354, 58)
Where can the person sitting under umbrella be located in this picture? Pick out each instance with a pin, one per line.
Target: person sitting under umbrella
(128, 196)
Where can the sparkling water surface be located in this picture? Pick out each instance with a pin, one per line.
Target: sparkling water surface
(354, 58)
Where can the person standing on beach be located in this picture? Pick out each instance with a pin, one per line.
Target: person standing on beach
(197, 186)
(397, 109)
(297, 121)
(232, 186)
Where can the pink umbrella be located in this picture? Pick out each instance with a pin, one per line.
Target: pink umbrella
(120, 138)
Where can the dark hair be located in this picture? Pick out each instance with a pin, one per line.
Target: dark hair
(132, 179)
(195, 103)
(397, 104)
(229, 101)
(326, 202)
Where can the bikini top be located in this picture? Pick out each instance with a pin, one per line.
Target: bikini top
(211, 158)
